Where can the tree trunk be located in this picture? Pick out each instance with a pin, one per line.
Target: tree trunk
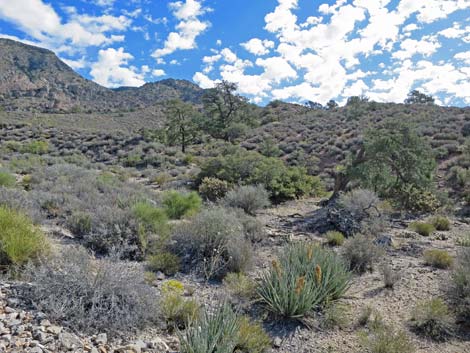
(342, 178)
(183, 143)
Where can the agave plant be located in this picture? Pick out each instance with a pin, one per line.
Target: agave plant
(212, 332)
(304, 277)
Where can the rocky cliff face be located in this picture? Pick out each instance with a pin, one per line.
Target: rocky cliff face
(35, 79)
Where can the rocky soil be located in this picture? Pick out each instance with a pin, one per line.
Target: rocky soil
(417, 282)
(26, 330)
(29, 331)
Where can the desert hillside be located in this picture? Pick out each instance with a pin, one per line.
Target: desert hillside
(171, 218)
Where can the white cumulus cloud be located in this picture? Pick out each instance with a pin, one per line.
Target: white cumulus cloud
(203, 81)
(158, 73)
(411, 47)
(41, 22)
(188, 28)
(463, 56)
(321, 58)
(111, 69)
(258, 47)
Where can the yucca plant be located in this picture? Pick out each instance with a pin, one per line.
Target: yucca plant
(212, 333)
(305, 277)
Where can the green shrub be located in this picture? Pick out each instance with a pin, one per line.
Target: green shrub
(364, 315)
(26, 182)
(64, 190)
(213, 189)
(417, 200)
(132, 160)
(459, 289)
(464, 240)
(383, 338)
(26, 164)
(177, 311)
(35, 147)
(438, 258)
(422, 228)
(79, 223)
(7, 179)
(252, 226)
(154, 219)
(213, 243)
(150, 277)
(269, 148)
(293, 183)
(397, 163)
(107, 179)
(240, 285)
(249, 198)
(164, 261)
(152, 227)
(236, 131)
(251, 337)
(20, 240)
(441, 223)
(173, 285)
(14, 146)
(212, 333)
(360, 253)
(335, 238)
(161, 178)
(189, 159)
(304, 277)
(239, 166)
(178, 205)
(336, 315)
(431, 318)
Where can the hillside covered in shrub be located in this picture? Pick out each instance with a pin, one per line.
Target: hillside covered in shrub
(197, 222)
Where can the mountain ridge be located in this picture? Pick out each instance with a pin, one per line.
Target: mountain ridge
(35, 79)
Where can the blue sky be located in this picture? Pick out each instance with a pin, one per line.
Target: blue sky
(294, 50)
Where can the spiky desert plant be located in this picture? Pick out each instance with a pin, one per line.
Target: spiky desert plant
(305, 276)
(212, 332)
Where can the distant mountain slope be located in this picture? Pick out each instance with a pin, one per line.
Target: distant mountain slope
(35, 79)
(150, 93)
(322, 139)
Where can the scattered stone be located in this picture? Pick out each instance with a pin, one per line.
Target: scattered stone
(45, 323)
(54, 329)
(331, 217)
(384, 241)
(277, 342)
(69, 341)
(40, 336)
(160, 276)
(159, 345)
(141, 344)
(25, 331)
(9, 310)
(101, 339)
